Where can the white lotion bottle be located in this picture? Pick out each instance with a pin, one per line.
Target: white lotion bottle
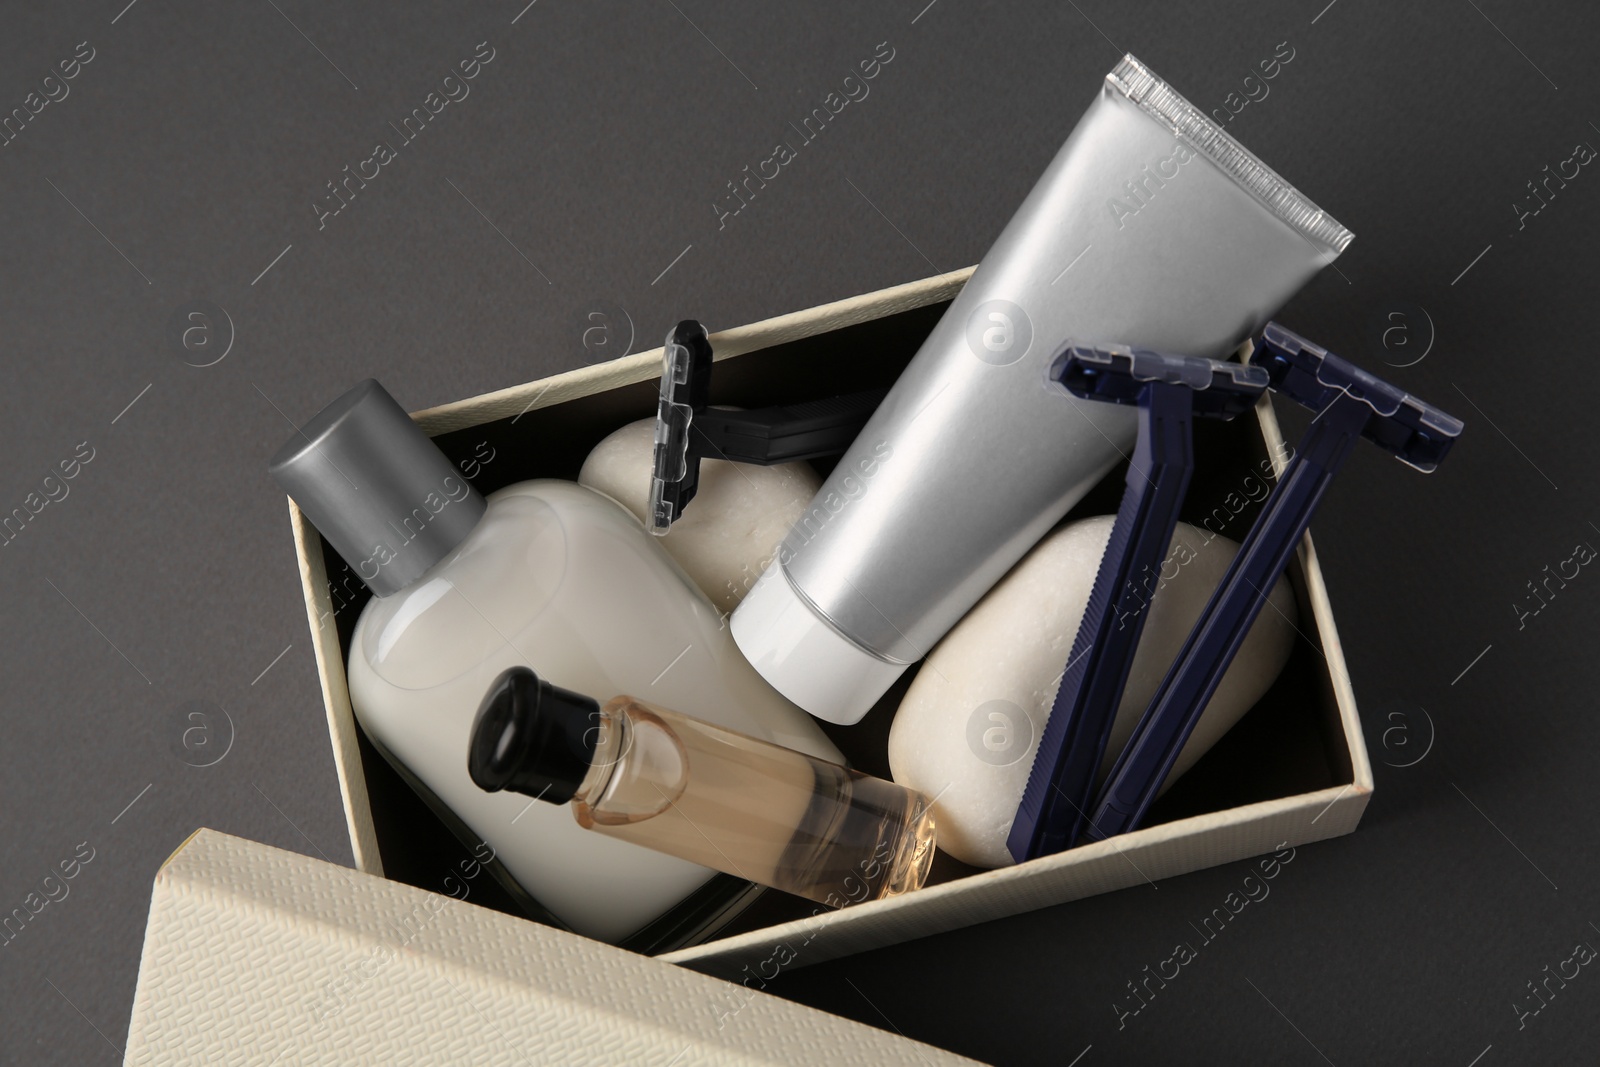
(545, 574)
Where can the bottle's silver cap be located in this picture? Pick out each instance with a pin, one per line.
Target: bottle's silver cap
(382, 494)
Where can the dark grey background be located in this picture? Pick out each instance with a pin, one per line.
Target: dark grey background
(186, 159)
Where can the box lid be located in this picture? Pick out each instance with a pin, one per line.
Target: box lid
(254, 955)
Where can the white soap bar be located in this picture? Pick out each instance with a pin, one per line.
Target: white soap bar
(731, 529)
(969, 726)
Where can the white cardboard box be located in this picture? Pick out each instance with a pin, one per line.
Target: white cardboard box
(1306, 779)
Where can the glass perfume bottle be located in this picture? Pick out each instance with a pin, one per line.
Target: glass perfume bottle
(657, 778)
(545, 573)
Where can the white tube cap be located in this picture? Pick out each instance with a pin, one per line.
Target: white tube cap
(803, 657)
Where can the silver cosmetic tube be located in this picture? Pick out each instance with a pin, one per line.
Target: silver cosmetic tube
(1151, 227)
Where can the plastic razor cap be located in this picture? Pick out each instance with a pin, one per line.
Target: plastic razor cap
(803, 657)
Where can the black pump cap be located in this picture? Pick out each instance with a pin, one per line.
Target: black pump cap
(532, 737)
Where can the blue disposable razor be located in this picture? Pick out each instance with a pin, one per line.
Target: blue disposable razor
(1170, 391)
(1350, 404)
(689, 429)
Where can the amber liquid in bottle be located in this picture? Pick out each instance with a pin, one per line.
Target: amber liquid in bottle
(755, 810)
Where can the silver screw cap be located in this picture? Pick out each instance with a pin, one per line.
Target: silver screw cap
(382, 494)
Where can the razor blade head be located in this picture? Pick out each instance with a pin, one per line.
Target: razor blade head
(1419, 434)
(1119, 374)
(685, 390)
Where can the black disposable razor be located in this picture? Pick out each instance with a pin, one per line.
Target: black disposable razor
(1170, 392)
(1350, 404)
(688, 429)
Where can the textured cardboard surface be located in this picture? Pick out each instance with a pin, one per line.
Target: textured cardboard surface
(257, 956)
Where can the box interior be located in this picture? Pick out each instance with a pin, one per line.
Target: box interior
(1290, 743)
